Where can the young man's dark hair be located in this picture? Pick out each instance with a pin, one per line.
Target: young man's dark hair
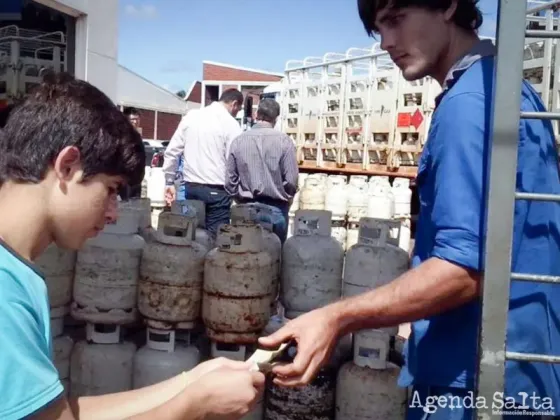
(467, 15)
(231, 95)
(63, 112)
(129, 110)
(4, 114)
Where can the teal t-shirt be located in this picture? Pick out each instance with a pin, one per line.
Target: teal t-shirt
(28, 378)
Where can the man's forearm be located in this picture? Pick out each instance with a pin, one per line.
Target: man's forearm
(127, 405)
(433, 287)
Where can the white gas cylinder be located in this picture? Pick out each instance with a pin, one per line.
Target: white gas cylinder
(312, 263)
(238, 285)
(381, 203)
(339, 233)
(57, 265)
(107, 272)
(405, 234)
(336, 200)
(357, 200)
(403, 195)
(312, 195)
(156, 187)
(369, 394)
(352, 235)
(374, 261)
(102, 364)
(171, 273)
(163, 357)
(62, 348)
(296, 200)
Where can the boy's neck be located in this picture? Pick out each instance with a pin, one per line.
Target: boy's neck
(24, 222)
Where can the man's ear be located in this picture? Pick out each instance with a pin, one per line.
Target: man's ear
(68, 163)
(450, 12)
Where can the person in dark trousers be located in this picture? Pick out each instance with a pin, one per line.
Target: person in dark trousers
(262, 167)
(440, 295)
(203, 139)
(64, 153)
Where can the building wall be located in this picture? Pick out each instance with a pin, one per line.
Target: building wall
(167, 123)
(96, 47)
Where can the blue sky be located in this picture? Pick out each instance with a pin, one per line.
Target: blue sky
(167, 40)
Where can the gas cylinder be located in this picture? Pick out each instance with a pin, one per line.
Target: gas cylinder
(62, 348)
(339, 232)
(171, 272)
(107, 272)
(164, 356)
(312, 263)
(102, 364)
(369, 394)
(142, 206)
(357, 198)
(295, 202)
(156, 187)
(195, 208)
(256, 213)
(373, 262)
(402, 195)
(381, 203)
(336, 200)
(316, 401)
(57, 266)
(238, 285)
(312, 196)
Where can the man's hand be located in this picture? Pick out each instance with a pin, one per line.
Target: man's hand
(225, 393)
(170, 194)
(316, 333)
(214, 364)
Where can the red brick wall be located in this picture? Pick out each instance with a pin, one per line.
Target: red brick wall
(147, 123)
(167, 124)
(214, 72)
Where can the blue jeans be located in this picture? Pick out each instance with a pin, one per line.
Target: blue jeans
(182, 192)
(218, 204)
(449, 404)
(278, 219)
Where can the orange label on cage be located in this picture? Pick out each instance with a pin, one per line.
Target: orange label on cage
(403, 119)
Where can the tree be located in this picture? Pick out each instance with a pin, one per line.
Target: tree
(181, 94)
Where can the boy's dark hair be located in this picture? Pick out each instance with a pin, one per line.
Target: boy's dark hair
(230, 95)
(4, 114)
(467, 15)
(62, 112)
(129, 110)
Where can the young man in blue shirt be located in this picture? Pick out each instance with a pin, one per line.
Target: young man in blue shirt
(64, 153)
(440, 294)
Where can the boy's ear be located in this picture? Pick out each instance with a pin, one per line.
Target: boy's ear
(67, 163)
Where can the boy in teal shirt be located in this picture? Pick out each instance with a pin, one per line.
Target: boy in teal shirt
(64, 153)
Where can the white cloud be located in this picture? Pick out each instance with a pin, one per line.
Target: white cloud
(147, 11)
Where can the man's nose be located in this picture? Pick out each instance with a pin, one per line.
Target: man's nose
(112, 213)
(387, 42)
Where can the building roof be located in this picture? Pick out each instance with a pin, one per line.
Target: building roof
(135, 90)
(231, 66)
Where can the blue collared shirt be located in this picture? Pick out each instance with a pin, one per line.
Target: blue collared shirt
(452, 183)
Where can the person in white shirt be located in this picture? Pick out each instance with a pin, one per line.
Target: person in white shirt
(203, 139)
